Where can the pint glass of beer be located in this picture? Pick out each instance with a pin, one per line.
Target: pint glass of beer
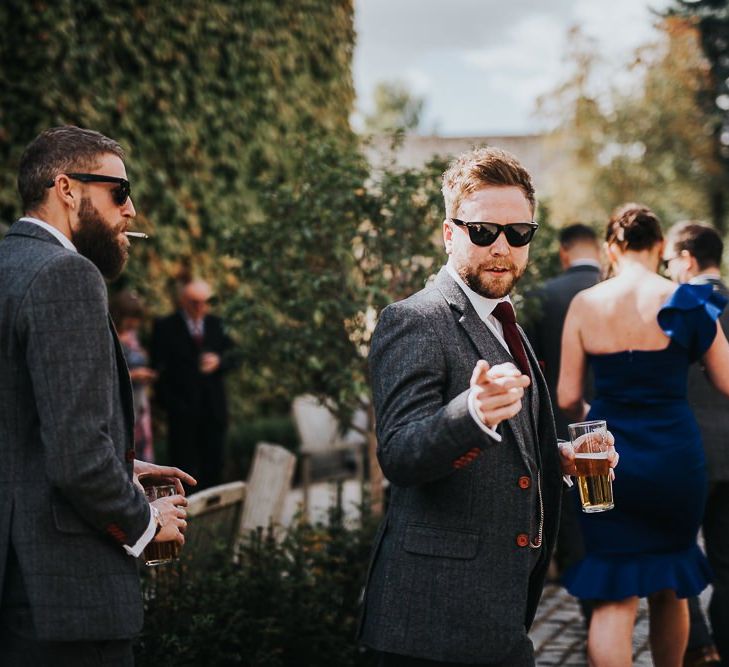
(159, 553)
(590, 443)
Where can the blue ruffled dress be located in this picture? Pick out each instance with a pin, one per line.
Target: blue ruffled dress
(648, 541)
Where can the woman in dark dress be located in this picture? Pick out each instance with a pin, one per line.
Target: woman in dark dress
(639, 332)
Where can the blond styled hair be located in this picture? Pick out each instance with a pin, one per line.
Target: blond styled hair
(480, 168)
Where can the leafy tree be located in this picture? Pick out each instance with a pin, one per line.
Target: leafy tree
(208, 96)
(712, 19)
(396, 109)
(218, 103)
(650, 141)
(244, 171)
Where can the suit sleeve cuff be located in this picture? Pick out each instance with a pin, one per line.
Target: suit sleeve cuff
(147, 536)
(472, 410)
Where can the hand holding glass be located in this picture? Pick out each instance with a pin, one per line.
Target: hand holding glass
(590, 444)
(160, 553)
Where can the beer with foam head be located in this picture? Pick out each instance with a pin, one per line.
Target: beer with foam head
(590, 443)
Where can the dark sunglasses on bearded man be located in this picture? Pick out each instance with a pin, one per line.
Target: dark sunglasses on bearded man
(518, 234)
(119, 194)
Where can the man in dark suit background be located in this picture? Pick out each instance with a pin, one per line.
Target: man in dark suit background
(579, 255)
(191, 352)
(466, 438)
(693, 254)
(71, 519)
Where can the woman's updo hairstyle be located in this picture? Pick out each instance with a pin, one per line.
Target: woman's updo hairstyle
(634, 227)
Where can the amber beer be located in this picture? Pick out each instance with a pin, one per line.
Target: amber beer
(592, 468)
(160, 553)
(593, 482)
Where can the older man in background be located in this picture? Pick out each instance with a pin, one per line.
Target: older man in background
(191, 353)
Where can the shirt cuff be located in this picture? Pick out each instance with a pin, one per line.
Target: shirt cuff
(147, 536)
(474, 414)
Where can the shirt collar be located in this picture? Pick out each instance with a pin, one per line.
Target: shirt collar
(62, 238)
(195, 326)
(705, 277)
(585, 262)
(482, 305)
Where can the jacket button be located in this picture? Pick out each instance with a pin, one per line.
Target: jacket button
(522, 539)
(524, 482)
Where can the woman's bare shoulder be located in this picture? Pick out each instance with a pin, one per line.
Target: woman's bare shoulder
(596, 293)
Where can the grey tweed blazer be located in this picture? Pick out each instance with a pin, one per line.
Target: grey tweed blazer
(66, 444)
(450, 579)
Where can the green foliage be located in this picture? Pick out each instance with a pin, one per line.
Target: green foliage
(649, 141)
(292, 603)
(244, 171)
(245, 434)
(396, 108)
(334, 248)
(712, 19)
(208, 96)
(221, 106)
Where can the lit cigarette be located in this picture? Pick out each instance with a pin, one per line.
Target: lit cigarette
(137, 235)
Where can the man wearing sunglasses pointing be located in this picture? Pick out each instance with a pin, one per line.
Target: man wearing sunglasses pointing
(466, 437)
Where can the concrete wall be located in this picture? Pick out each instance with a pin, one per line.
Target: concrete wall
(531, 150)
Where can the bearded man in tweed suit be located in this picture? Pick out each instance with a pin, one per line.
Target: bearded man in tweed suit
(71, 519)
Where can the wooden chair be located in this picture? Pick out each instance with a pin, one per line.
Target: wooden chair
(214, 516)
(269, 482)
(328, 454)
(219, 517)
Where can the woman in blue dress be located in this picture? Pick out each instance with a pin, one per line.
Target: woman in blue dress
(639, 332)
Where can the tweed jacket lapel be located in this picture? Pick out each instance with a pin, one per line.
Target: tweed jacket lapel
(23, 228)
(125, 383)
(488, 346)
(490, 349)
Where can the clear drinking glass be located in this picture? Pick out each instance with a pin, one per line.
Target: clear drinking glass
(590, 443)
(160, 553)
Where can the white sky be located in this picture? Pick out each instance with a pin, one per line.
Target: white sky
(481, 64)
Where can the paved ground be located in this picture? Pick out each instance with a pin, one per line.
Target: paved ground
(559, 635)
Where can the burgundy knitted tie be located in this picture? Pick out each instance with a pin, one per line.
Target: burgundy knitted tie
(504, 313)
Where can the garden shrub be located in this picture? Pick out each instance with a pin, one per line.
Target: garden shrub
(292, 602)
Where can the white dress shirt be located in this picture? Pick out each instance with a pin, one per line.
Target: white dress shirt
(62, 238)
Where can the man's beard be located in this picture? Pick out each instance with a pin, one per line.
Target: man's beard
(491, 287)
(99, 241)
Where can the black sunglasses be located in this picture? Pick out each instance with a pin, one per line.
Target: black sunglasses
(518, 234)
(119, 194)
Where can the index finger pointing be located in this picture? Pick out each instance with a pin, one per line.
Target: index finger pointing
(480, 373)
